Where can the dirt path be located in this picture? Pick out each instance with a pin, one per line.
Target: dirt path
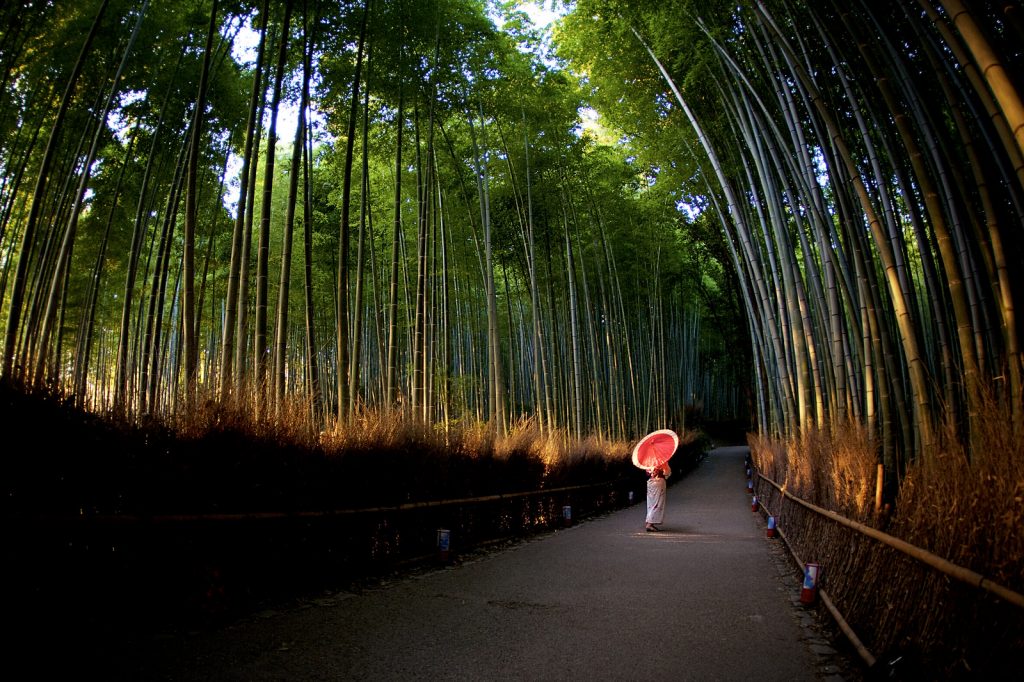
(602, 600)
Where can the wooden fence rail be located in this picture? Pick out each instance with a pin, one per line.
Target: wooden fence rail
(128, 519)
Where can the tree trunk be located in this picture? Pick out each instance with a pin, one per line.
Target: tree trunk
(284, 284)
(344, 402)
(260, 346)
(392, 354)
(189, 333)
(38, 197)
(245, 192)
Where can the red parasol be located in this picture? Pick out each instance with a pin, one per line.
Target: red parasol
(655, 449)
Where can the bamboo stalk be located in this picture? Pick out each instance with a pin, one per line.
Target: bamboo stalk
(878, 487)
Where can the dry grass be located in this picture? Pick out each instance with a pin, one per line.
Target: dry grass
(233, 457)
(968, 505)
(241, 454)
(834, 469)
(289, 423)
(428, 461)
(381, 430)
(292, 425)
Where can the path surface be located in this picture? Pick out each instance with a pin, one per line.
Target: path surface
(603, 600)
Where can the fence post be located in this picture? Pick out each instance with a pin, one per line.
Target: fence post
(879, 480)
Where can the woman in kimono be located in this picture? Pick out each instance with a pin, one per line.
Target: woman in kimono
(656, 496)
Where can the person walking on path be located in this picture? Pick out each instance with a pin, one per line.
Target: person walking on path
(652, 454)
(656, 487)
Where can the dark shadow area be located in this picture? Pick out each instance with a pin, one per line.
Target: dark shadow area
(115, 529)
(727, 432)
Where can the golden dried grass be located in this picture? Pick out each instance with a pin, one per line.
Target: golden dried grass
(966, 502)
(292, 424)
(833, 468)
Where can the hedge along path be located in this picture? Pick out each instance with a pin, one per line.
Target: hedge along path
(943, 565)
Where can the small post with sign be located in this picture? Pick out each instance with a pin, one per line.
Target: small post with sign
(444, 538)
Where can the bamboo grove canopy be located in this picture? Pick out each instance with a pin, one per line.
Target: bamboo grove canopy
(323, 207)
(864, 161)
(821, 201)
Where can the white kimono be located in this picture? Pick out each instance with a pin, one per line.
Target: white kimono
(656, 497)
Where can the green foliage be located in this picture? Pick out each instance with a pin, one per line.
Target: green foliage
(467, 89)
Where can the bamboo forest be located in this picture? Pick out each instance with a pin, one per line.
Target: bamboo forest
(438, 235)
(550, 228)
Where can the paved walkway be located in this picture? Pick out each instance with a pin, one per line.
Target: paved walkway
(603, 600)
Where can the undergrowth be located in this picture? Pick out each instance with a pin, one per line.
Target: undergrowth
(227, 458)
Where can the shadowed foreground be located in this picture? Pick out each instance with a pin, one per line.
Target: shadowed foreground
(602, 600)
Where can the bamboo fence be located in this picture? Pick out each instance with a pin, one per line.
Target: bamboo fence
(903, 599)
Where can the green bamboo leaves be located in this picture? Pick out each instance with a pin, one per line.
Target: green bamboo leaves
(863, 165)
(469, 252)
